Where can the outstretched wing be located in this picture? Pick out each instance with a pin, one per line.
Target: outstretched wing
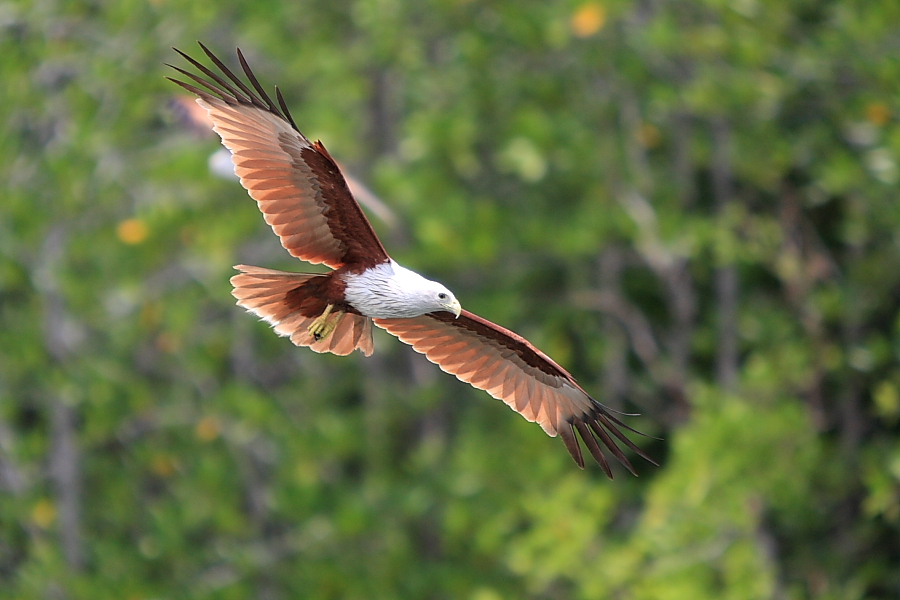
(298, 186)
(509, 368)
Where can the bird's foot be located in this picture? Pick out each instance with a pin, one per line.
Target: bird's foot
(322, 326)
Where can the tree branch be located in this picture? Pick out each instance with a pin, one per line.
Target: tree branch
(726, 279)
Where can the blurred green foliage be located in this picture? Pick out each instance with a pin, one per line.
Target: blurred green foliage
(691, 204)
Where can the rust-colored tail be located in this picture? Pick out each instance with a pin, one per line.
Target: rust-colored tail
(283, 301)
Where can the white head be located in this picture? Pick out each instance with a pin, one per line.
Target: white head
(432, 296)
(390, 291)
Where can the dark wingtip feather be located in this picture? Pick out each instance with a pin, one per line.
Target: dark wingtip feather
(235, 90)
(571, 442)
(604, 410)
(203, 94)
(225, 87)
(194, 90)
(250, 96)
(255, 83)
(605, 420)
(611, 445)
(284, 107)
(594, 448)
(604, 425)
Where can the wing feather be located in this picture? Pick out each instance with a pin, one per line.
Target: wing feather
(469, 371)
(299, 188)
(510, 369)
(568, 437)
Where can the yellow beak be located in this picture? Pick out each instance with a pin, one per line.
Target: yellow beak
(455, 307)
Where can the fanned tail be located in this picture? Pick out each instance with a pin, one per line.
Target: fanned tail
(286, 302)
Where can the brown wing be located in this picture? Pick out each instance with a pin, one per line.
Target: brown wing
(298, 186)
(509, 368)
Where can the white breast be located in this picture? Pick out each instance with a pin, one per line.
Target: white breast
(389, 291)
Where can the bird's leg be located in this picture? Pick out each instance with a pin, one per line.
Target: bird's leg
(322, 327)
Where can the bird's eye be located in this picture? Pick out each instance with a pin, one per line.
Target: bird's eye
(442, 296)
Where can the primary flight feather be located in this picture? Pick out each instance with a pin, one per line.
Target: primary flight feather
(304, 198)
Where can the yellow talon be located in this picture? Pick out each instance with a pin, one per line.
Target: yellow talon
(322, 327)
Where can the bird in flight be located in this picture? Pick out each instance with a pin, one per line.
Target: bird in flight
(304, 197)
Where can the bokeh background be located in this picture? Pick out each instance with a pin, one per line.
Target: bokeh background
(691, 204)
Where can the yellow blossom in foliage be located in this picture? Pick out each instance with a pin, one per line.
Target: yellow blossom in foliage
(43, 513)
(132, 231)
(207, 429)
(588, 19)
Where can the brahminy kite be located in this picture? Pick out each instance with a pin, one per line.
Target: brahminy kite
(304, 197)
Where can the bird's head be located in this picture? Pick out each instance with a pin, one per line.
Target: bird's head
(419, 295)
(445, 300)
(434, 297)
